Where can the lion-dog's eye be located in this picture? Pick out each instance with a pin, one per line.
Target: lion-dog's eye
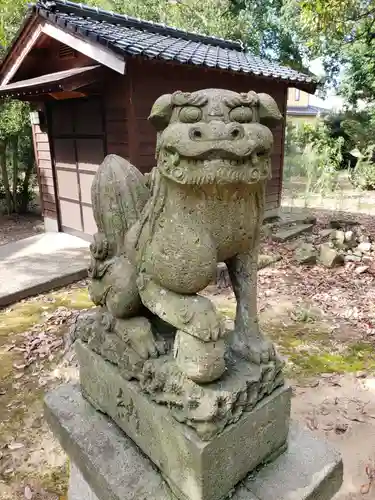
(190, 114)
(241, 114)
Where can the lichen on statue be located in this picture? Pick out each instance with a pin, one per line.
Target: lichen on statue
(158, 244)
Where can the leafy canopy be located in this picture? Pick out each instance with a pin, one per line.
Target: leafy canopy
(342, 32)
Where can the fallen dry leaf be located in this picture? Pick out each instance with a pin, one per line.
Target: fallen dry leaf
(370, 472)
(361, 269)
(14, 446)
(312, 423)
(341, 428)
(19, 367)
(28, 493)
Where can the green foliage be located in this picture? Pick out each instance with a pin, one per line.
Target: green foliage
(356, 128)
(268, 35)
(17, 172)
(342, 32)
(12, 13)
(211, 17)
(359, 79)
(316, 134)
(363, 175)
(312, 154)
(14, 119)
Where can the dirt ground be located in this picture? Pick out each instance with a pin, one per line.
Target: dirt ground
(17, 227)
(322, 321)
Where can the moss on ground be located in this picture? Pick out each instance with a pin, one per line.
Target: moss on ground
(56, 480)
(77, 299)
(21, 394)
(20, 317)
(24, 315)
(228, 312)
(308, 346)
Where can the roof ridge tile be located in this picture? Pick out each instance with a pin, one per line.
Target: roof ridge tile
(67, 5)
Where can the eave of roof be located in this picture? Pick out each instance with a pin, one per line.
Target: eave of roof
(305, 110)
(60, 80)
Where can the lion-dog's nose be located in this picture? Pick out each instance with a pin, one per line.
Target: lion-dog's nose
(216, 131)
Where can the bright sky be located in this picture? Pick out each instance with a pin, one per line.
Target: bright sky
(332, 101)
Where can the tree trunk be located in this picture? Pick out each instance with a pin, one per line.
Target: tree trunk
(4, 176)
(15, 168)
(24, 198)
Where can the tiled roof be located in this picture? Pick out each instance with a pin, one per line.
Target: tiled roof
(125, 34)
(305, 110)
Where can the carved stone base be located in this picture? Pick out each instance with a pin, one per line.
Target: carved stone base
(106, 465)
(207, 408)
(194, 469)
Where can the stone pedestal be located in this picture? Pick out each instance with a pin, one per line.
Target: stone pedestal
(107, 465)
(194, 469)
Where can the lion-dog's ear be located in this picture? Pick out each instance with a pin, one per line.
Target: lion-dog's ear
(161, 112)
(269, 113)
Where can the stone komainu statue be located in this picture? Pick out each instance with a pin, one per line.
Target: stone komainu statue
(161, 237)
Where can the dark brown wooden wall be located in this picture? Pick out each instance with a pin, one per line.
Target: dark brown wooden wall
(116, 116)
(45, 173)
(146, 81)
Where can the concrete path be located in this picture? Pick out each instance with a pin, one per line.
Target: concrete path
(38, 264)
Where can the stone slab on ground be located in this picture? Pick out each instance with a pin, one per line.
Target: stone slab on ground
(309, 470)
(292, 232)
(194, 469)
(107, 465)
(39, 263)
(296, 218)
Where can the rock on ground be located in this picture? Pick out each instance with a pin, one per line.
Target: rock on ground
(306, 254)
(330, 257)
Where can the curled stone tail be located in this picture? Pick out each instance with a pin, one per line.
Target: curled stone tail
(119, 193)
